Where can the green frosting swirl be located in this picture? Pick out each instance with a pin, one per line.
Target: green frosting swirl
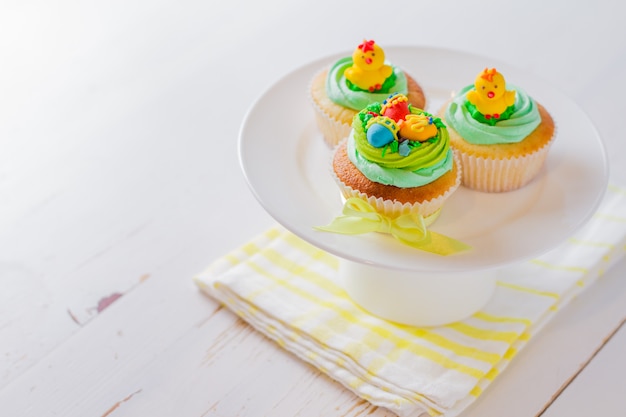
(522, 121)
(340, 93)
(423, 165)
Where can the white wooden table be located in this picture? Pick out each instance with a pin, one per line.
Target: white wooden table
(119, 181)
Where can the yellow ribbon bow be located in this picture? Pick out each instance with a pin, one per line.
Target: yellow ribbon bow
(360, 217)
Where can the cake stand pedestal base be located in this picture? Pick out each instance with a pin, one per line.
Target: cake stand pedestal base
(417, 298)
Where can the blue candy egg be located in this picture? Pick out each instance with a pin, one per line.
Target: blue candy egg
(379, 135)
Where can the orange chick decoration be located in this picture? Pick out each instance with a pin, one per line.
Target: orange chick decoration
(419, 127)
(490, 95)
(368, 70)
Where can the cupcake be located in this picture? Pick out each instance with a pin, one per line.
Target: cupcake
(397, 158)
(501, 134)
(338, 92)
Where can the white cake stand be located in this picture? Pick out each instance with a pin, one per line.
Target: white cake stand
(287, 166)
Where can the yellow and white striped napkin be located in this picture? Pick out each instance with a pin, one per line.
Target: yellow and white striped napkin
(287, 289)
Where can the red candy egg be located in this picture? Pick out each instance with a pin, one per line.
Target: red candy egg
(396, 107)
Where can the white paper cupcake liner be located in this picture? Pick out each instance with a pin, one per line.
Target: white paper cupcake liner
(502, 175)
(332, 130)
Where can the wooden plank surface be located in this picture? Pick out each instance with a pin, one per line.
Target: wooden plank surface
(120, 180)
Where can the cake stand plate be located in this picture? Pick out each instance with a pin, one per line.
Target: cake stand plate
(287, 166)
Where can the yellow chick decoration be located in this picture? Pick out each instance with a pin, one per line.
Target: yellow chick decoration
(368, 71)
(490, 95)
